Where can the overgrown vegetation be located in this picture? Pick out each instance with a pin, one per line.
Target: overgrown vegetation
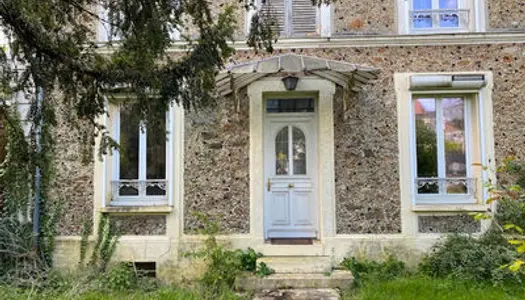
(473, 259)
(223, 265)
(428, 288)
(369, 270)
(53, 61)
(453, 270)
(460, 266)
(21, 260)
(509, 217)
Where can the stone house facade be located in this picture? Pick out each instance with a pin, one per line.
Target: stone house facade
(380, 149)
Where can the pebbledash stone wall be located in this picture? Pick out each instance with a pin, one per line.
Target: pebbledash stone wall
(366, 178)
(139, 225)
(216, 167)
(379, 17)
(448, 224)
(506, 14)
(216, 179)
(73, 178)
(364, 17)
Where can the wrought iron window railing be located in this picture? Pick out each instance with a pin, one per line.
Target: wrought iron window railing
(456, 19)
(140, 190)
(446, 186)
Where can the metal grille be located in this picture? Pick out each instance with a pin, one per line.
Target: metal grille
(139, 189)
(439, 19)
(446, 186)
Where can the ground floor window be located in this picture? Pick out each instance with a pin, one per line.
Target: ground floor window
(442, 145)
(140, 167)
(446, 148)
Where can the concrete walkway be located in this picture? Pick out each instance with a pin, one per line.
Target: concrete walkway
(298, 294)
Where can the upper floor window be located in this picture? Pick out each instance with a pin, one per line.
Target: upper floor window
(441, 16)
(438, 14)
(296, 18)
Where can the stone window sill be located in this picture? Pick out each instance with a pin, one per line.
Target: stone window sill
(137, 210)
(450, 208)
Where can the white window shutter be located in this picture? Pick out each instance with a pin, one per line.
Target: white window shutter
(276, 10)
(304, 18)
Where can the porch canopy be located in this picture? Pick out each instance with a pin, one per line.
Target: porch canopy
(348, 76)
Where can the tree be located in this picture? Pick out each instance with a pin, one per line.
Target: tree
(53, 59)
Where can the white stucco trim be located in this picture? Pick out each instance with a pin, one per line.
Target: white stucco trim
(325, 90)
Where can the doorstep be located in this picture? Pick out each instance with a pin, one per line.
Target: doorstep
(337, 279)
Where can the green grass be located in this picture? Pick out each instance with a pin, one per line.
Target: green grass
(164, 293)
(419, 287)
(408, 288)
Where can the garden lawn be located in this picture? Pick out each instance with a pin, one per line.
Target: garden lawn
(413, 287)
(164, 293)
(425, 288)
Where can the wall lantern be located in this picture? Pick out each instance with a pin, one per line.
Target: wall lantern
(290, 82)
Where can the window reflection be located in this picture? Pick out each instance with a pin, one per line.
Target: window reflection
(426, 140)
(129, 149)
(441, 145)
(281, 152)
(299, 152)
(290, 105)
(454, 136)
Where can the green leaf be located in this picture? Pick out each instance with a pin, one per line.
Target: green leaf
(515, 188)
(515, 242)
(515, 266)
(512, 226)
(480, 216)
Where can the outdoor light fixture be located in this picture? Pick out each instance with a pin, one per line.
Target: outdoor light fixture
(290, 82)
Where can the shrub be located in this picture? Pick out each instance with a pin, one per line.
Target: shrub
(120, 278)
(511, 212)
(387, 269)
(473, 259)
(249, 259)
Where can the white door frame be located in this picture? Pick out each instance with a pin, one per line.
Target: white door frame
(325, 91)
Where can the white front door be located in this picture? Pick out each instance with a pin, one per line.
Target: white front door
(290, 168)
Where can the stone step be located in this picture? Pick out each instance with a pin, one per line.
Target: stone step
(298, 294)
(337, 279)
(298, 264)
(317, 249)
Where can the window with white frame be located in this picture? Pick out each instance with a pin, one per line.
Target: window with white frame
(438, 15)
(446, 139)
(296, 18)
(140, 172)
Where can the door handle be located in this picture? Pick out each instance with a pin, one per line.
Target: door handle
(291, 185)
(269, 184)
